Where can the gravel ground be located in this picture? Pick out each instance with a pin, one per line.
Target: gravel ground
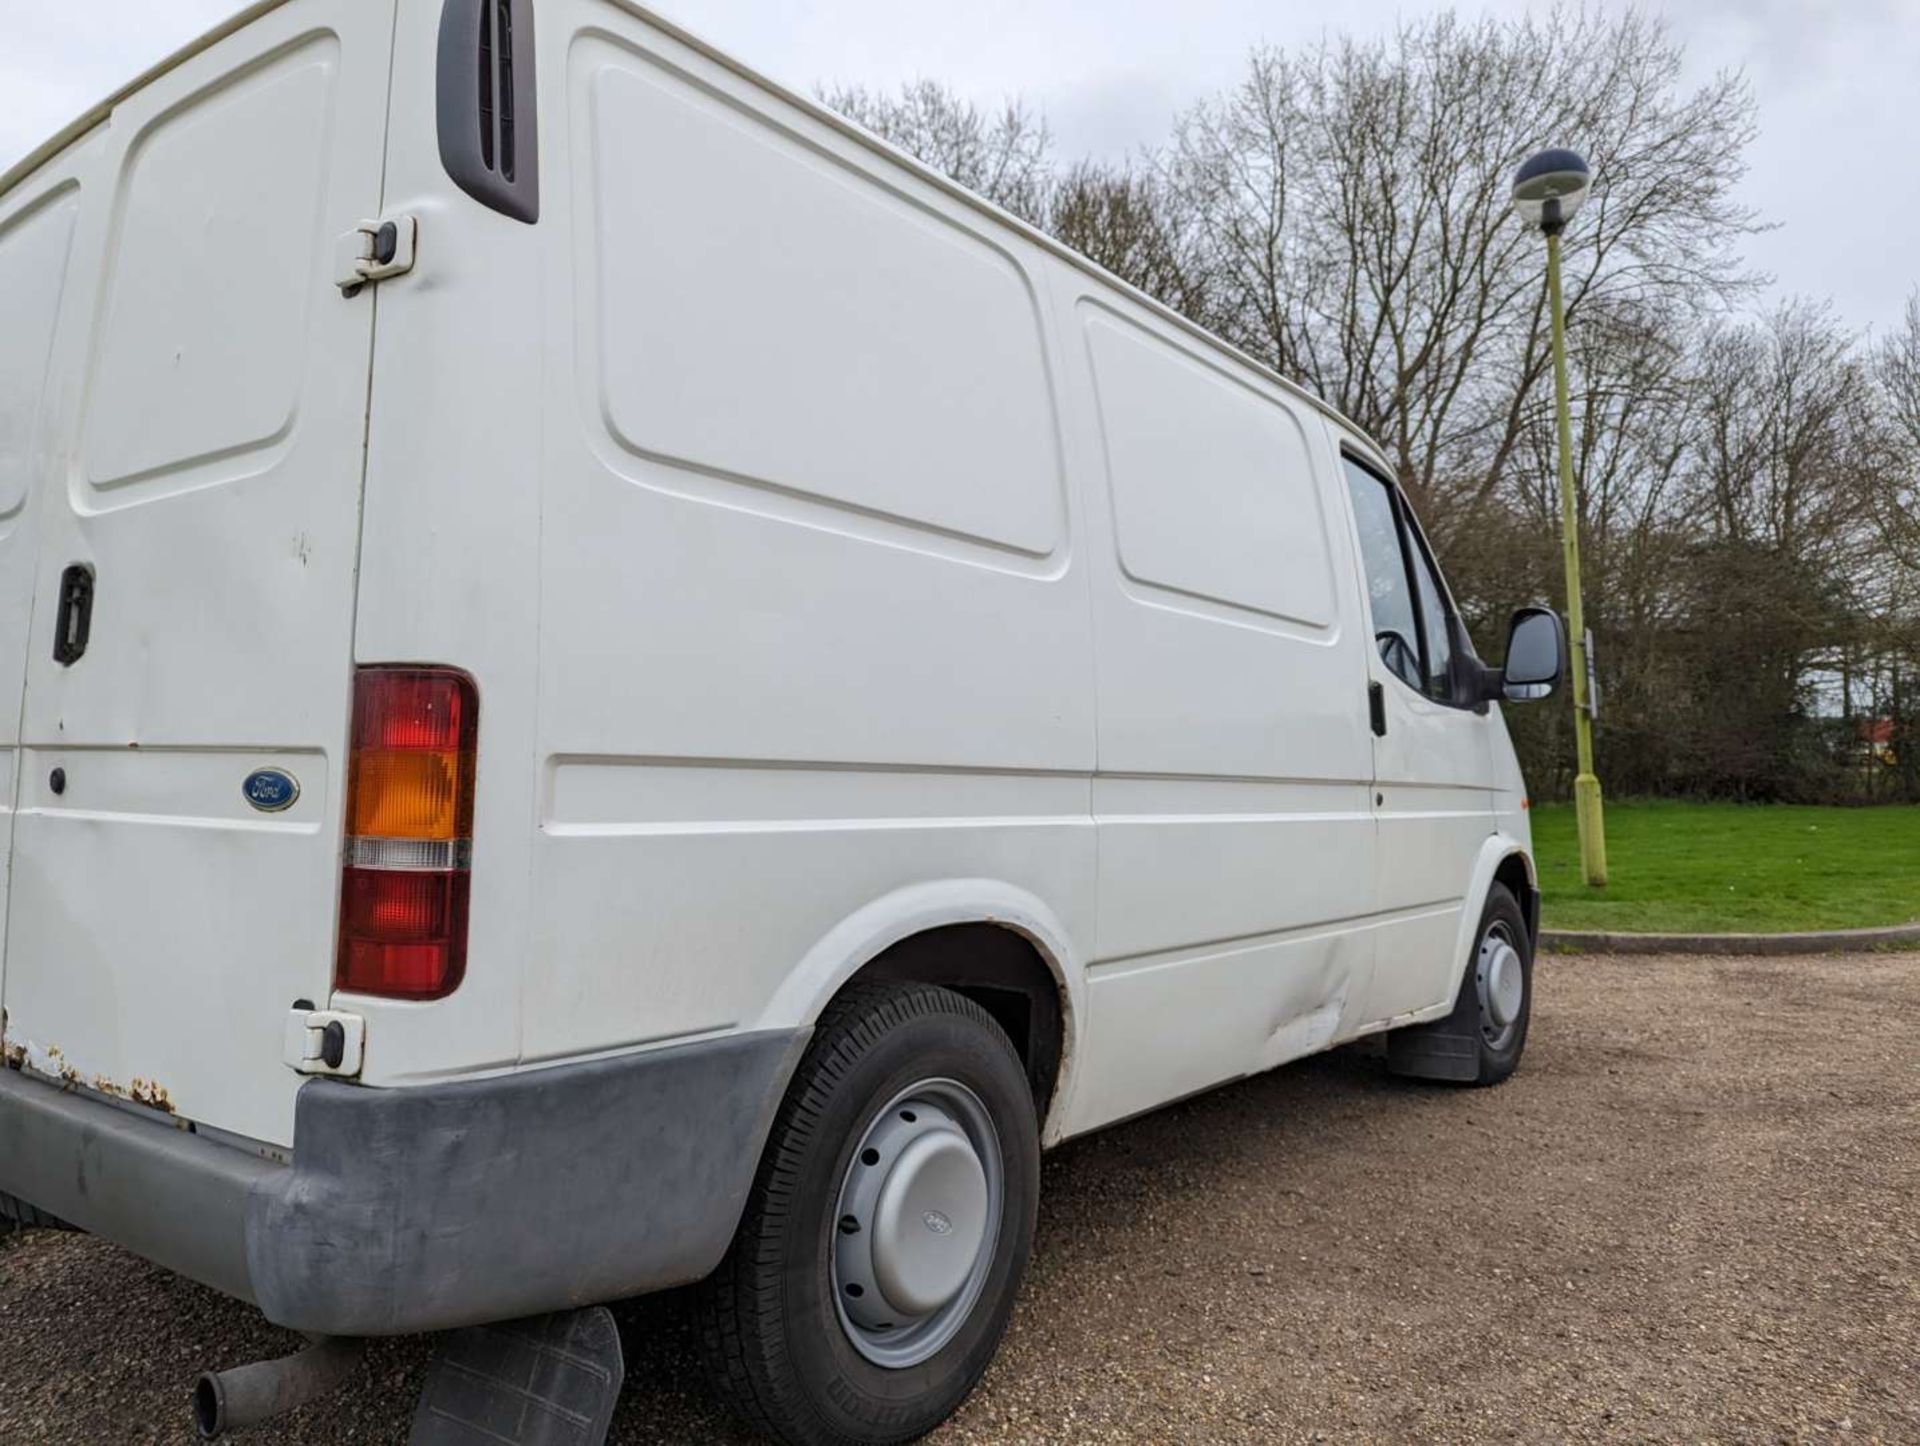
(1691, 1216)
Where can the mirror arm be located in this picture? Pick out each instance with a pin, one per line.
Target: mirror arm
(1491, 685)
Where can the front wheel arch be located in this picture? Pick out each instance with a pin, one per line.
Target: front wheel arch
(1515, 872)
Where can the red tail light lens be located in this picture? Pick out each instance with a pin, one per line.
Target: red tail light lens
(403, 934)
(405, 885)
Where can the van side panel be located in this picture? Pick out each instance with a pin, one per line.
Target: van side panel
(201, 462)
(813, 622)
(1236, 841)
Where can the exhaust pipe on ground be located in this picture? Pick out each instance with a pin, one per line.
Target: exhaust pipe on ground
(245, 1396)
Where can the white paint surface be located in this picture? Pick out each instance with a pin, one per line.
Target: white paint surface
(834, 558)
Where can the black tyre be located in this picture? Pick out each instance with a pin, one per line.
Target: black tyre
(875, 1268)
(1481, 1041)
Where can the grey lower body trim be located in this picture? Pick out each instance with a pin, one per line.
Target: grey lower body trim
(429, 1207)
(146, 1184)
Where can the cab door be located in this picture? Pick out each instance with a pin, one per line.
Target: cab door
(1433, 776)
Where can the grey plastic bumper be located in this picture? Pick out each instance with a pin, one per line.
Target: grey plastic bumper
(430, 1207)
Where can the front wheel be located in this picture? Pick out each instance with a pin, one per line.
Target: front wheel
(875, 1268)
(1481, 1041)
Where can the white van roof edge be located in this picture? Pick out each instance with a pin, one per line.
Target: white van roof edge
(34, 159)
(92, 117)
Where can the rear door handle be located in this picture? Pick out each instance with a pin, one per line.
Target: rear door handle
(75, 618)
(1377, 709)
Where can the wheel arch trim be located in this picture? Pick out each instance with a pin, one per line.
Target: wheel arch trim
(867, 933)
(1494, 853)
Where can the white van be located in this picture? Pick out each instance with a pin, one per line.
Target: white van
(618, 685)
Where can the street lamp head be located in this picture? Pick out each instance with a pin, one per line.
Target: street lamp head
(1549, 187)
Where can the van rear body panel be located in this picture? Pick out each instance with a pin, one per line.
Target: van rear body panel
(196, 453)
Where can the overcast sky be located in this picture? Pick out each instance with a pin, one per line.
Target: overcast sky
(1836, 82)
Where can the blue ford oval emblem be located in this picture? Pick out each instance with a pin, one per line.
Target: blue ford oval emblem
(271, 790)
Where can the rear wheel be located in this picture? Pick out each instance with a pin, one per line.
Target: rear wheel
(874, 1270)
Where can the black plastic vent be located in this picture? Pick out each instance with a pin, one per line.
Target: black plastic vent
(485, 104)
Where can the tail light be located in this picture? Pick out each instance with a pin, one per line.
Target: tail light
(409, 853)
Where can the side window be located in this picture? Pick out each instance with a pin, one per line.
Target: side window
(1410, 619)
(1396, 627)
(1434, 630)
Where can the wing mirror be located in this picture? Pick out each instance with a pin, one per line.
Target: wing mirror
(1536, 656)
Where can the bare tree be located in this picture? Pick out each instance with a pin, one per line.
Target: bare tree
(1004, 155)
(1121, 216)
(1125, 219)
(1899, 365)
(1354, 200)
(1896, 369)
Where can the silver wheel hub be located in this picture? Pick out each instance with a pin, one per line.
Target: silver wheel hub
(1500, 976)
(918, 1216)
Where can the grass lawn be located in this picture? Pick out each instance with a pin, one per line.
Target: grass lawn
(1725, 868)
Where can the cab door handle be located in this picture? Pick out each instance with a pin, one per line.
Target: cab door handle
(1377, 709)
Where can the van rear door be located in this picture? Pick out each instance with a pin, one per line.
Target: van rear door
(192, 496)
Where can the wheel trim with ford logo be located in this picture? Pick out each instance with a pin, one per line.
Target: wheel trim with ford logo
(918, 1214)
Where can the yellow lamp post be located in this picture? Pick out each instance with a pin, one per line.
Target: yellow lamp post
(1547, 190)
